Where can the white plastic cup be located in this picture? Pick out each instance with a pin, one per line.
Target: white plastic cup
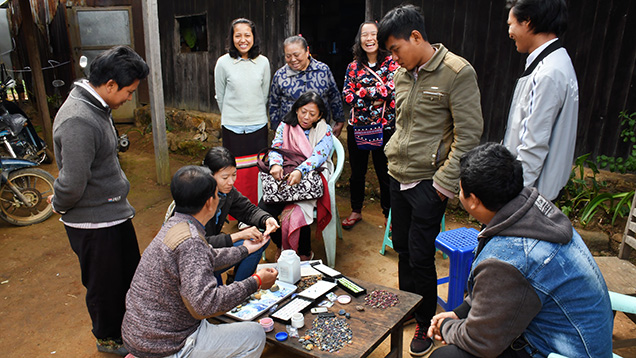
(297, 320)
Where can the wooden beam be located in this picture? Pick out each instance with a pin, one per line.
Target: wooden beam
(368, 11)
(35, 63)
(155, 84)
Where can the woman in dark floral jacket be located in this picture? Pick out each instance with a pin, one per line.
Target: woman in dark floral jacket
(369, 89)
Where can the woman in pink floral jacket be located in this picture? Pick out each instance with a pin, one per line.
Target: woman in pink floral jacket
(369, 90)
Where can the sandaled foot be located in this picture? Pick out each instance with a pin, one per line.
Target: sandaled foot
(351, 221)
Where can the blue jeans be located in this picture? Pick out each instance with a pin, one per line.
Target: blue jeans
(241, 339)
(246, 267)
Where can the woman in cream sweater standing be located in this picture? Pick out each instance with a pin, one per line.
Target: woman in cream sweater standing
(241, 81)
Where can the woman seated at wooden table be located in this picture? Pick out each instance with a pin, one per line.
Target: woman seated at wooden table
(231, 202)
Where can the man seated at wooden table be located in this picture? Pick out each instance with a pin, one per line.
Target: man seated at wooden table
(534, 288)
(174, 289)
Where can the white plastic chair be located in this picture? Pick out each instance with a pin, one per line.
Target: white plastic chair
(169, 212)
(334, 228)
(620, 302)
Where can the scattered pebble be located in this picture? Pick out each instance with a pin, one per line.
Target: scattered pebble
(329, 334)
(360, 308)
(342, 312)
(381, 299)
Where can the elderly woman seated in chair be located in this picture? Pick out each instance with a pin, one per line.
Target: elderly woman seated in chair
(305, 131)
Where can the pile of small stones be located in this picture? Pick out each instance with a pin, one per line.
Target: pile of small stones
(328, 334)
(381, 299)
(307, 281)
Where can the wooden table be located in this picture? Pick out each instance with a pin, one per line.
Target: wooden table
(370, 327)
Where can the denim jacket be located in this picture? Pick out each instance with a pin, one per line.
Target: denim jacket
(533, 285)
(575, 318)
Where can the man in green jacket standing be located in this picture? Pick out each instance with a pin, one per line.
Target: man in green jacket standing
(438, 118)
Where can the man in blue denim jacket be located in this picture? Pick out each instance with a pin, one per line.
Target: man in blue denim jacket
(534, 287)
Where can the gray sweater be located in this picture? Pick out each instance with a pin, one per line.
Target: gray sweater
(91, 186)
(174, 288)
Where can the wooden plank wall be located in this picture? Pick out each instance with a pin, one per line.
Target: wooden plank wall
(189, 77)
(599, 40)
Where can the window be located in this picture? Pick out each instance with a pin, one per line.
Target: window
(193, 33)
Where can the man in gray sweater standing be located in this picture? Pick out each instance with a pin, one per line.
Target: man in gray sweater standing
(174, 289)
(91, 189)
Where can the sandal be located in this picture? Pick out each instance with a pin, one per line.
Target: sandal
(350, 223)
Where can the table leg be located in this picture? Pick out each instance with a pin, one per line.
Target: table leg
(397, 337)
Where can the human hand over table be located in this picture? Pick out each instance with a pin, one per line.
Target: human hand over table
(434, 331)
(252, 246)
(271, 225)
(250, 233)
(268, 277)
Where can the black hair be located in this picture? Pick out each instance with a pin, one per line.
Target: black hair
(296, 39)
(218, 158)
(291, 118)
(233, 51)
(191, 187)
(120, 64)
(492, 173)
(544, 16)
(400, 23)
(359, 54)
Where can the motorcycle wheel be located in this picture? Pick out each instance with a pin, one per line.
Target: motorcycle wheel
(36, 185)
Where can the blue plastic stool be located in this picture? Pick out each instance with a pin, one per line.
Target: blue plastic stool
(459, 245)
(387, 233)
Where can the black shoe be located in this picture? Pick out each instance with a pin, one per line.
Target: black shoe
(420, 344)
(114, 346)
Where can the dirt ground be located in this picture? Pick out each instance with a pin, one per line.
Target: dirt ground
(42, 308)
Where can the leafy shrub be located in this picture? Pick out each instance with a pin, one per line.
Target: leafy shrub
(583, 198)
(628, 134)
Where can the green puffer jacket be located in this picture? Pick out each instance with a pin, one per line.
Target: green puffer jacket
(438, 118)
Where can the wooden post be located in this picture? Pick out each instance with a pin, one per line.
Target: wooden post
(292, 16)
(155, 84)
(36, 70)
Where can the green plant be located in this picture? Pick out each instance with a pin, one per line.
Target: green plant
(583, 198)
(613, 204)
(578, 192)
(628, 134)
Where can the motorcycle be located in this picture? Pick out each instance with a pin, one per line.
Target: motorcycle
(18, 137)
(23, 192)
